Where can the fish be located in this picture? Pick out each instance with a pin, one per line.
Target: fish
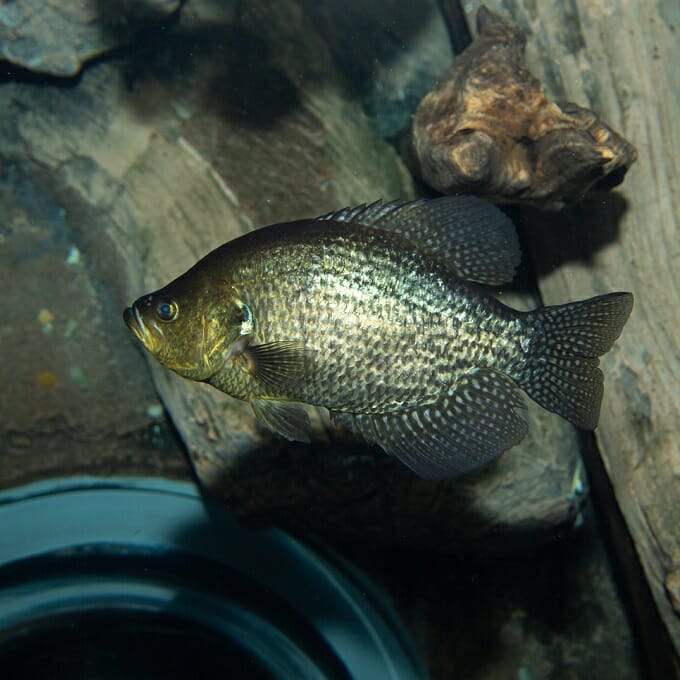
(383, 315)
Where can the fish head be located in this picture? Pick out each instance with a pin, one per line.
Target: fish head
(187, 332)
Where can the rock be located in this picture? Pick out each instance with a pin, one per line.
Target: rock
(489, 129)
(58, 38)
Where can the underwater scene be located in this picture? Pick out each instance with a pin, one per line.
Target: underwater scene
(339, 339)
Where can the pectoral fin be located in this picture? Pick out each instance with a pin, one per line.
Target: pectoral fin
(461, 431)
(275, 364)
(289, 419)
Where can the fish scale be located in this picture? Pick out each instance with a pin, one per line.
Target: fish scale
(406, 332)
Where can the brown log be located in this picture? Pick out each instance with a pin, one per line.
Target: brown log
(621, 60)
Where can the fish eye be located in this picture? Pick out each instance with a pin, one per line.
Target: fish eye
(166, 310)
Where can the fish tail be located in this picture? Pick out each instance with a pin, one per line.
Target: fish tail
(561, 371)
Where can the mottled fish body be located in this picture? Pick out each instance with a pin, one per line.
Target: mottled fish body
(368, 312)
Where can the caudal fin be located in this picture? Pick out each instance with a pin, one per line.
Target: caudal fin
(561, 372)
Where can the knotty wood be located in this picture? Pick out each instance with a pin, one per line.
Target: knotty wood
(621, 60)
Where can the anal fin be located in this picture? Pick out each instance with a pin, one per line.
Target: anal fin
(461, 431)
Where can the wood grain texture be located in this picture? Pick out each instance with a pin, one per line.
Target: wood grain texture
(621, 59)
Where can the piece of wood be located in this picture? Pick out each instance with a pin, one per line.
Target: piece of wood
(488, 128)
(257, 126)
(621, 60)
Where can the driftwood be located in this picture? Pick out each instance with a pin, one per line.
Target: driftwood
(488, 128)
(155, 171)
(627, 241)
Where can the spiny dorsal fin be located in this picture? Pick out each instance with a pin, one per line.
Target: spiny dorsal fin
(472, 237)
(368, 214)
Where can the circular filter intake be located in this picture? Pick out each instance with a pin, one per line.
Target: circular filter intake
(143, 579)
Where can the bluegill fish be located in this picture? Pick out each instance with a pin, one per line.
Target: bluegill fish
(374, 313)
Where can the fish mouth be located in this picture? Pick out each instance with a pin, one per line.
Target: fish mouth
(133, 320)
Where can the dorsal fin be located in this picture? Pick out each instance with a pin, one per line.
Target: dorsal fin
(472, 237)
